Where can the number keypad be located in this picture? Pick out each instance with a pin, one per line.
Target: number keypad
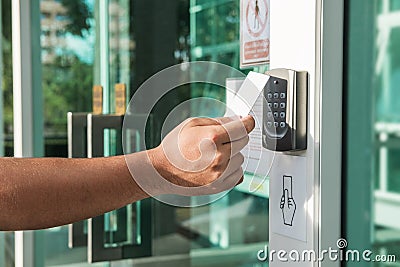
(275, 93)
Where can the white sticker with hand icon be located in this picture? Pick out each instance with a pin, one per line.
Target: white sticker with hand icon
(287, 202)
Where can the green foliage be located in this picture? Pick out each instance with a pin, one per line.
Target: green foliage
(7, 86)
(7, 79)
(6, 18)
(67, 86)
(78, 14)
(66, 83)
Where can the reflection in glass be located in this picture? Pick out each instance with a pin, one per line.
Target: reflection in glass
(122, 226)
(387, 130)
(68, 35)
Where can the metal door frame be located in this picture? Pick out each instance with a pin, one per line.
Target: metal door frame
(27, 94)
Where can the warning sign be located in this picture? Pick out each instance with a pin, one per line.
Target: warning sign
(254, 32)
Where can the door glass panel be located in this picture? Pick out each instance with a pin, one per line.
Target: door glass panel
(7, 249)
(122, 226)
(133, 55)
(214, 36)
(387, 129)
(67, 41)
(67, 38)
(6, 116)
(121, 46)
(6, 135)
(235, 226)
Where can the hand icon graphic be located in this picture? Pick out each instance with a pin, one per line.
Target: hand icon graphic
(288, 207)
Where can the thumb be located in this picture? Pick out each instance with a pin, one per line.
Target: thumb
(249, 123)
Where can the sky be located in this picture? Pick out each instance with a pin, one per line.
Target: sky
(83, 47)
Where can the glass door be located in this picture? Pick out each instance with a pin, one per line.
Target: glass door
(372, 139)
(68, 39)
(214, 234)
(113, 49)
(6, 106)
(235, 226)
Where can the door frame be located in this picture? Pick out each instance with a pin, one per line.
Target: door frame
(28, 102)
(308, 36)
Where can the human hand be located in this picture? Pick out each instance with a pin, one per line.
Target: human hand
(288, 207)
(203, 153)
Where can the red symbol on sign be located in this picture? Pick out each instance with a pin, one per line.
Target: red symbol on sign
(256, 17)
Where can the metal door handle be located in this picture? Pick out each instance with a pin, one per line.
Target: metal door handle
(77, 127)
(97, 249)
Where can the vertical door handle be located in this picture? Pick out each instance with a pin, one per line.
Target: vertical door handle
(136, 217)
(77, 148)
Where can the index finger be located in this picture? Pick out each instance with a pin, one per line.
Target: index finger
(237, 129)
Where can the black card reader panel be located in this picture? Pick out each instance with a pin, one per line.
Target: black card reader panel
(285, 111)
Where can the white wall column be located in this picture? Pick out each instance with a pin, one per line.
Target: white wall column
(307, 35)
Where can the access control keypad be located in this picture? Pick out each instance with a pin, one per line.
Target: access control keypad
(275, 93)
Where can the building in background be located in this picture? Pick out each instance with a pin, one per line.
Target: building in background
(121, 45)
(53, 23)
(67, 52)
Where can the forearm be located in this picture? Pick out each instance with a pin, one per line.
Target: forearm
(44, 192)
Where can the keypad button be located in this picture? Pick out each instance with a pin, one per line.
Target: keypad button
(269, 95)
(270, 105)
(276, 105)
(269, 124)
(282, 115)
(283, 105)
(283, 95)
(269, 115)
(282, 125)
(276, 95)
(275, 114)
(276, 124)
